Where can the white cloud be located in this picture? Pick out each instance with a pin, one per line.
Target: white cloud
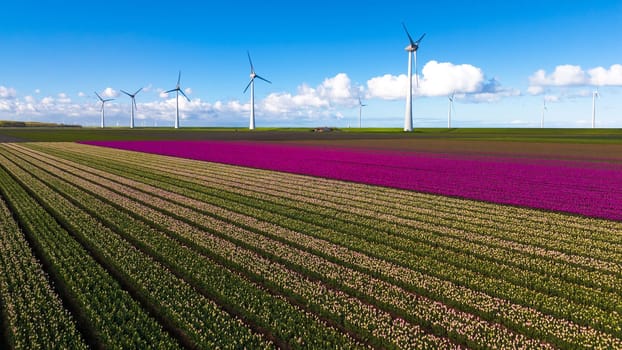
(572, 76)
(109, 92)
(81, 94)
(337, 90)
(313, 103)
(63, 98)
(387, 87)
(440, 79)
(37, 91)
(162, 93)
(535, 90)
(188, 91)
(600, 76)
(7, 92)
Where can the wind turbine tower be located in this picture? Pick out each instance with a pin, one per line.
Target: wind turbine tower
(412, 51)
(178, 90)
(133, 105)
(251, 83)
(451, 106)
(103, 101)
(594, 95)
(361, 105)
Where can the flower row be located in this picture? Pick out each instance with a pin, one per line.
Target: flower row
(111, 317)
(553, 327)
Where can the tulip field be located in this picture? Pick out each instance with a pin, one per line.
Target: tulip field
(232, 245)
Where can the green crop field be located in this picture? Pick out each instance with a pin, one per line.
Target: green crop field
(601, 136)
(106, 248)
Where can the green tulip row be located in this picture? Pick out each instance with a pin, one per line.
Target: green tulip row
(462, 326)
(31, 312)
(527, 321)
(288, 324)
(483, 278)
(490, 226)
(439, 234)
(109, 315)
(458, 222)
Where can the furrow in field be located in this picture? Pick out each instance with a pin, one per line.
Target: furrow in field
(31, 313)
(264, 242)
(107, 314)
(573, 268)
(198, 320)
(471, 328)
(464, 270)
(523, 216)
(292, 327)
(550, 235)
(277, 315)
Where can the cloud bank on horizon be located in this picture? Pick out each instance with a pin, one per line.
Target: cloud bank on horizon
(322, 103)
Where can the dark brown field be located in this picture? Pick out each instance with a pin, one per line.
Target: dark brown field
(546, 150)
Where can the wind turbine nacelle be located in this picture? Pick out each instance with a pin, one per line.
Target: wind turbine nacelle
(411, 48)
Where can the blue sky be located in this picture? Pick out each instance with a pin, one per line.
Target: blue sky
(502, 58)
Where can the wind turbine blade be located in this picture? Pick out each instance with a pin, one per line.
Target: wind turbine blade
(247, 86)
(171, 90)
(108, 99)
(419, 40)
(250, 61)
(137, 91)
(182, 92)
(407, 33)
(264, 79)
(134, 103)
(99, 97)
(178, 79)
(101, 109)
(125, 92)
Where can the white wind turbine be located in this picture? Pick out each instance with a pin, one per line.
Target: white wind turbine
(451, 107)
(412, 51)
(543, 110)
(361, 105)
(103, 101)
(133, 105)
(251, 83)
(178, 90)
(594, 95)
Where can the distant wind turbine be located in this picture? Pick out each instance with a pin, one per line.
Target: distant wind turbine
(178, 90)
(361, 105)
(451, 106)
(543, 110)
(412, 51)
(594, 95)
(251, 83)
(133, 105)
(103, 101)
